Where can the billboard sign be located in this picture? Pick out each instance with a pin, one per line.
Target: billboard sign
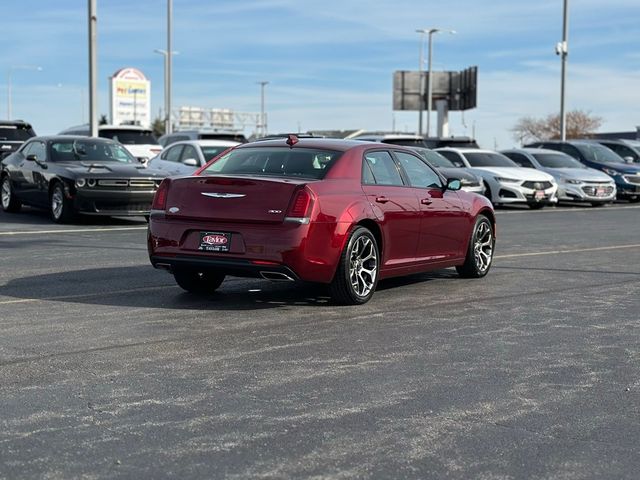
(130, 98)
(460, 89)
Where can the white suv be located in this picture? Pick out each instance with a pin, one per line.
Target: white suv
(505, 181)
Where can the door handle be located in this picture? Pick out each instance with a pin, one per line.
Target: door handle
(426, 201)
(382, 199)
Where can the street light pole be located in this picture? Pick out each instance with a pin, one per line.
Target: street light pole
(562, 49)
(263, 119)
(431, 31)
(9, 78)
(167, 124)
(93, 69)
(420, 80)
(166, 84)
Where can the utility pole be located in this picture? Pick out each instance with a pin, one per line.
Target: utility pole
(167, 125)
(93, 69)
(562, 49)
(263, 118)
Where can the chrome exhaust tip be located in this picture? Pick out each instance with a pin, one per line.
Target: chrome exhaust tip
(162, 266)
(276, 276)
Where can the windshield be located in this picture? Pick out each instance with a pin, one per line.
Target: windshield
(129, 137)
(89, 151)
(557, 160)
(275, 162)
(210, 152)
(599, 153)
(488, 159)
(434, 158)
(15, 134)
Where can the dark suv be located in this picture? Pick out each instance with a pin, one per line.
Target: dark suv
(594, 155)
(13, 133)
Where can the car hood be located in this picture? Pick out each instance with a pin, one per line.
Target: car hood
(517, 173)
(110, 169)
(458, 173)
(584, 174)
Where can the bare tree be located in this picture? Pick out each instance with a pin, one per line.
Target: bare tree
(580, 124)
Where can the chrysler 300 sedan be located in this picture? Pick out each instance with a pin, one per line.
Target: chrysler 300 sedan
(340, 212)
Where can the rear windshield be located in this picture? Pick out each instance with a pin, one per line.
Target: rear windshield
(16, 133)
(488, 159)
(557, 160)
(129, 137)
(275, 162)
(434, 158)
(89, 151)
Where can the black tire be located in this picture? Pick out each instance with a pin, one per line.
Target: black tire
(597, 204)
(194, 281)
(477, 266)
(359, 263)
(635, 199)
(487, 192)
(537, 206)
(60, 207)
(9, 201)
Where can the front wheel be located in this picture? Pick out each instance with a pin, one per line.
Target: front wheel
(357, 274)
(9, 201)
(480, 251)
(61, 207)
(194, 281)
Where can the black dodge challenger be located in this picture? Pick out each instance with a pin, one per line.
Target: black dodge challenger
(70, 175)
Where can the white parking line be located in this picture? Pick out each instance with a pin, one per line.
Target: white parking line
(85, 295)
(566, 210)
(575, 250)
(76, 230)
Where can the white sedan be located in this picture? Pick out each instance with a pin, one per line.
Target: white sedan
(184, 158)
(506, 182)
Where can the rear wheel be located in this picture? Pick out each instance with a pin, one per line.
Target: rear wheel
(195, 281)
(61, 207)
(9, 201)
(357, 275)
(480, 251)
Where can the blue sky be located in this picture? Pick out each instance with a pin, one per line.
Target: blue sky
(329, 63)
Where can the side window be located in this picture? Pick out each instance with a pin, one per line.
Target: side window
(520, 159)
(26, 148)
(38, 149)
(453, 156)
(622, 150)
(419, 173)
(383, 168)
(189, 152)
(173, 154)
(570, 150)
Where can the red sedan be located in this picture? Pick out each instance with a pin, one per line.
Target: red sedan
(338, 212)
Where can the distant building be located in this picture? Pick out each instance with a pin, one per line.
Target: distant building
(626, 135)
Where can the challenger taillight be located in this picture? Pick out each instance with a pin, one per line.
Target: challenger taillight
(160, 198)
(300, 208)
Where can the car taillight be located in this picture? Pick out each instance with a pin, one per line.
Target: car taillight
(300, 209)
(160, 198)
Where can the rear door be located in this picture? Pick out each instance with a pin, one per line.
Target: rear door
(443, 221)
(395, 205)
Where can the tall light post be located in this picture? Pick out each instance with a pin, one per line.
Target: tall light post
(93, 68)
(562, 49)
(168, 77)
(167, 116)
(263, 118)
(420, 79)
(431, 31)
(9, 75)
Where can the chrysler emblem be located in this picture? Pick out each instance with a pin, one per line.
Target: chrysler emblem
(174, 210)
(223, 195)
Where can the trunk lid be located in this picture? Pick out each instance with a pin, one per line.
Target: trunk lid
(231, 198)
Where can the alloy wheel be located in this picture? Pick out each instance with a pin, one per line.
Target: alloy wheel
(363, 266)
(57, 202)
(6, 193)
(483, 247)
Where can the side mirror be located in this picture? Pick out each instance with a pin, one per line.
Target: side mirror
(32, 157)
(191, 162)
(628, 159)
(454, 184)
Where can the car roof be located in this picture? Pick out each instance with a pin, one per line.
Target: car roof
(322, 143)
(532, 150)
(61, 137)
(15, 123)
(466, 150)
(86, 126)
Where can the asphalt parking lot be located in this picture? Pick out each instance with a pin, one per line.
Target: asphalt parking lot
(109, 370)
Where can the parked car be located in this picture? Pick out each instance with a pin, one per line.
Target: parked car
(594, 155)
(504, 180)
(73, 174)
(184, 135)
(576, 182)
(140, 141)
(629, 150)
(13, 133)
(413, 140)
(338, 212)
(184, 158)
(470, 182)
